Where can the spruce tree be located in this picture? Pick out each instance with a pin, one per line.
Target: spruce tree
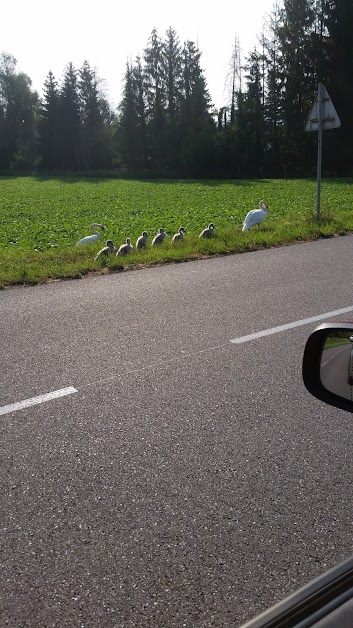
(338, 21)
(253, 118)
(128, 123)
(140, 112)
(273, 112)
(156, 97)
(196, 98)
(94, 152)
(198, 128)
(173, 80)
(298, 19)
(48, 124)
(69, 121)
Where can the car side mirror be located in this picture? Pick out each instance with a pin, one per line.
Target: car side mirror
(328, 364)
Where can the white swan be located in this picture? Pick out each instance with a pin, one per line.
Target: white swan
(92, 238)
(159, 238)
(125, 249)
(255, 216)
(208, 232)
(108, 250)
(179, 235)
(142, 240)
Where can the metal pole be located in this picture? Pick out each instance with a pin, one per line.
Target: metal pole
(319, 150)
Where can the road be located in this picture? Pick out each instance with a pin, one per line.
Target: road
(335, 369)
(188, 480)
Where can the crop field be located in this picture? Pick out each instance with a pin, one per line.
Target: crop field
(43, 218)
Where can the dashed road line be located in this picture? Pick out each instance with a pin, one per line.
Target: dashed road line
(26, 403)
(55, 394)
(299, 323)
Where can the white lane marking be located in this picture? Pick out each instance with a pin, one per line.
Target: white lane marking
(334, 355)
(20, 405)
(303, 321)
(12, 407)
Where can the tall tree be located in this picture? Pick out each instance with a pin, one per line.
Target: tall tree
(155, 93)
(48, 124)
(338, 22)
(69, 126)
(273, 103)
(127, 131)
(172, 69)
(93, 110)
(165, 119)
(4, 160)
(140, 111)
(198, 128)
(173, 81)
(19, 108)
(298, 18)
(253, 118)
(234, 78)
(196, 97)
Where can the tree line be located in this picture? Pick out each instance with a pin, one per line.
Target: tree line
(166, 125)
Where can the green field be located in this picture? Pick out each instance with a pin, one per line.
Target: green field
(42, 219)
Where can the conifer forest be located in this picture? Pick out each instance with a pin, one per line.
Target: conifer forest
(166, 125)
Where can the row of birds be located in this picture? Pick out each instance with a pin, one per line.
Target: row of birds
(141, 242)
(253, 217)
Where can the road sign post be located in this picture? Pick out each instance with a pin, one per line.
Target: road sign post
(322, 116)
(319, 151)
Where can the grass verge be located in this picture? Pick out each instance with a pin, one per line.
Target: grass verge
(18, 267)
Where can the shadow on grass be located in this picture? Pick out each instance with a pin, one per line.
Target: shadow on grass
(170, 182)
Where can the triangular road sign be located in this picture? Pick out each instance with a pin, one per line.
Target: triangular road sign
(329, 116)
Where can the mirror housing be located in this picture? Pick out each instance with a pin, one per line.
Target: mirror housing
(327, 364)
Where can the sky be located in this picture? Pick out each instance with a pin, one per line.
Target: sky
(44, 35)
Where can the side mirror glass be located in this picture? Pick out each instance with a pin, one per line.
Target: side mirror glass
(328, 364)
(336, 366)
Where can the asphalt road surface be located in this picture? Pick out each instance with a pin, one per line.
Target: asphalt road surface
(336, 367)
(186, 480)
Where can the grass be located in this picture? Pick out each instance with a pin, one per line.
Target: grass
(42, 219)
(335, 342)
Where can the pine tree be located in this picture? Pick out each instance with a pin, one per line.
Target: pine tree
(173, 79)
(338, 22)
(298, 19)
(4, 157)
(69, 121)
(273, 112)
(165, 109)
(198, 128)
(196, 98)
(172, 60)
(48, 124)
(94, 151)
(253, 118)
(131, 132)
(156, 97)
(140, 110)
